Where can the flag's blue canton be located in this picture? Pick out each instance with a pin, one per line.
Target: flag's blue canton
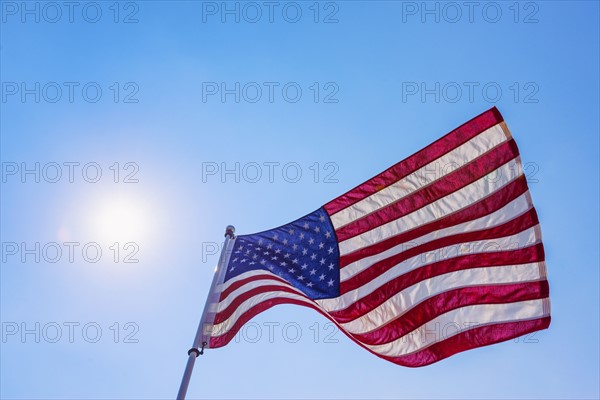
(305, 253)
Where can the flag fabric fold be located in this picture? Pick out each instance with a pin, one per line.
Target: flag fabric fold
(438, 254)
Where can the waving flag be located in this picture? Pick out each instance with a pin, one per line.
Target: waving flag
(438, 254)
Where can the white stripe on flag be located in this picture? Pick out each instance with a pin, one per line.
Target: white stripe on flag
(245, 275)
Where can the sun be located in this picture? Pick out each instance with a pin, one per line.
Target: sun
(121, 219)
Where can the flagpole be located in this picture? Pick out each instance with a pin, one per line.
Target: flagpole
(201, 339)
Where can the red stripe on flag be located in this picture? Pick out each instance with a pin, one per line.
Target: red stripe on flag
(226, 313)
(423, 157)
(244, 281)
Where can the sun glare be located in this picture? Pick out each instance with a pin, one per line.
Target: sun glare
(121, 220)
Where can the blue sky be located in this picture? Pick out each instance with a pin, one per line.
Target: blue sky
(137, 96)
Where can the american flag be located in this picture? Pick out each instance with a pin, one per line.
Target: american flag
(438, 254)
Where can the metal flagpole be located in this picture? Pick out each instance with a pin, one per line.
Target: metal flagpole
(208, 315)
